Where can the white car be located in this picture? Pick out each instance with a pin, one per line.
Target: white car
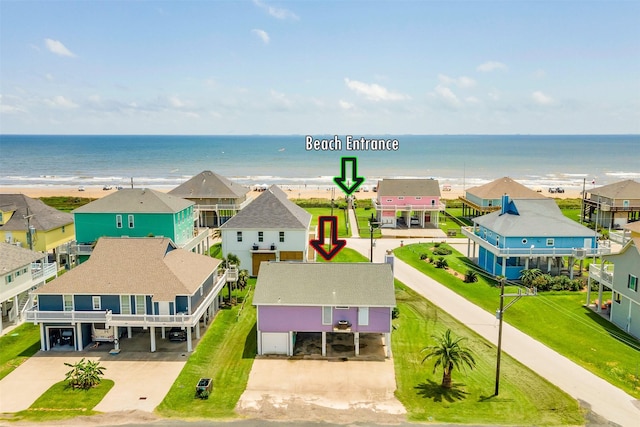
(81, 188)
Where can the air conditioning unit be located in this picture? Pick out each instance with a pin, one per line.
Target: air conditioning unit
(580, 253)
(9, 240)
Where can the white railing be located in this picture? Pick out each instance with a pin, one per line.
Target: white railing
(36, 316)
(225, 206)
(40, 272)
(620, 237)
(472, 234)
(603, 274)
(84, 249)
(426, 207)
(202, 234)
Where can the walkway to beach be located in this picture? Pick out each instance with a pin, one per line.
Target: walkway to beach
(603, 398)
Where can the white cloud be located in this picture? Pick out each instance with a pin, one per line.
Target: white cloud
(49, 77)
(262, 34)
(276, 12)
(9, 109)
(491, 66)
(56, 46)
(472, 100)
(462, 81)
(60, 102)
(374, 92)
(345, 105)
(447, 96)
(494, 96)
(541, 98)
(176, 102)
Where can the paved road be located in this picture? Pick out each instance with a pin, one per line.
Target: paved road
(604, 399)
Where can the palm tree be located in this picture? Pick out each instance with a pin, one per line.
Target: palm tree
(449, 354)
(529, 275)
(442, 263)
(470, 276)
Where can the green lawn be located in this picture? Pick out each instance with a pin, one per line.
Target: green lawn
(524, 399)
(62, 402)
(557, 319)
(65, 203)
(17, 346)
(363, 216)
(225, 354)
(318, 212)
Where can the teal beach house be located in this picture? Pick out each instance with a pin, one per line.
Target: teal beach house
(139, 212)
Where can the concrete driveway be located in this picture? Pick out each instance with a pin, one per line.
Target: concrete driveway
(142, 379)
(279, 382)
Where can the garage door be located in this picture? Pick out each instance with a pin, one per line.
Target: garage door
(291, 255)
(275, 342)
(258, 258)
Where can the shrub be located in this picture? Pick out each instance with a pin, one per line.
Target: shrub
(436, 244)
(84, 374)
(431, 259)
(442, 263)
(470, 276)
(442, 251)
(395, 313)
(423, 257)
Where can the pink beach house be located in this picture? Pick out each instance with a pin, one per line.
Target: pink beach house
(408, 203)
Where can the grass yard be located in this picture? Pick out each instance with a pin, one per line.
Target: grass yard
(62, 402)
(345, 255)
(363, 216)
(225, 354)
(525, 398)
(341, 214)
(557, 319)
(65, 203)
(17, 346)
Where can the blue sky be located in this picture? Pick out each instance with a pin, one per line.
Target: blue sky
(311, 67)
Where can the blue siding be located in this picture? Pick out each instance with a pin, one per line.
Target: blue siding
(172, 309)
(195, 299)
(156, 308)
(149, 305)
(110, 302)
(83, 303)
(50, 303)
(181, 304)
(86, 334)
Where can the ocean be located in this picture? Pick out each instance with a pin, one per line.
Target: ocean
(538, 161)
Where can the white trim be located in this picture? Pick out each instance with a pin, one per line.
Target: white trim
(96, 303)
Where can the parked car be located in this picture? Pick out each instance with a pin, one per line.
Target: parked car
(106, 187)
(177, 334)
(81, 188)
(66, 337)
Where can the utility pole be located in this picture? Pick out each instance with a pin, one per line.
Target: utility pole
(500, 314)
(29, 235)
(372, 224)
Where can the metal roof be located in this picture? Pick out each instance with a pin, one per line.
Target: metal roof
(271, 209)
(325, 284)
(136, 200)
(143, 266)
(43, 217)
(209, 185)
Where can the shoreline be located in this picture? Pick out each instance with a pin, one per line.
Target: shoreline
(293, 192)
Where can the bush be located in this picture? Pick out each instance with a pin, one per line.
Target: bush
(470, 276)
(84, 374)
(442, 263)
(442, 251)
(437, 244)
(395, 313)
(431, 259)
(423, 257)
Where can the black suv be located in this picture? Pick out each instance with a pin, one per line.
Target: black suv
(177, 334)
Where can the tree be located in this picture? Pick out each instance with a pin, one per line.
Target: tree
(84, 374)
(442, 263)
(470, 276)
(450, 354)
(231, 259)
(528, 276)
(243, 279)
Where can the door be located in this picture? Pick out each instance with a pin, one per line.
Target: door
(258, 258)
(291, 255)
(275, 342)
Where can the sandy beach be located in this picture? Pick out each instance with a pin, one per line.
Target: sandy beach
(294, 192)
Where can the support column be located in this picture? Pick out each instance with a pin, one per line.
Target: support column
(387, 342)
(259, 335)
(44, 340)
(526, 263)
(588, 291)
(152, 334)
(129, 332)
(0, 317)
(162, 332)
(189, 344)
(504, 267)
(324, 344)
(600, 289)
(78, 336)
(356, 342)
(198, 330)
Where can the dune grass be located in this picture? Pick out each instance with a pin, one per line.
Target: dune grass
(557, 319)
(17, 346)
(62, 402)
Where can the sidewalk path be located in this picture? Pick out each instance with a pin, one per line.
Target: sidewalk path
(353, 224)
(604, 399)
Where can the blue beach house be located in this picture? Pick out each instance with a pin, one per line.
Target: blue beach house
(528, 233)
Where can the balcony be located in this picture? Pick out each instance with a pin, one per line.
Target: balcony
(224, 206)
(425, 207)
(42, 272)
(602, 273)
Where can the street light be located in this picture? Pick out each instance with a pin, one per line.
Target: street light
(372, 224)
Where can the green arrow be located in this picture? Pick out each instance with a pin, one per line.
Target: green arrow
(356, 181)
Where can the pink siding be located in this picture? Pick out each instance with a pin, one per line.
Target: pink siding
(426, 201)
(309, 319)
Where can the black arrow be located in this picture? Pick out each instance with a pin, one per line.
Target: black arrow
(355, 179)
(335, 243)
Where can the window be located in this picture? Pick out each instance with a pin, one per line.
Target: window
(363, 316)
(524, 241)
(617, 298)
(342, 307)
(418, 197)
(327, 313)
(130, 219)
(118, 221)
(260, 236)
(633, 283)
(550, 242)
(125, 304)
(433, 202)
(281, 236)
(141, 305)
(19, 272)
(95, 301)
(63, 228)
(389, 200)
(8, 278)
(68, 302)
(400, 197)
(239, 236)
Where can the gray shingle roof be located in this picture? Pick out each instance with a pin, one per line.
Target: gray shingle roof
(536, 217)
(271, 209)
(344, 284)
(633, 226)
(505, 185)
(628, 189)
(13, 257)
(44, 217)
(136, 200)
(209, 185)
(145, 266)
(409, 187)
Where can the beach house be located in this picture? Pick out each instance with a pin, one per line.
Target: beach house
(407, 203)
(270, 228)
(487, 198)
(32, 224)
(141, 284)
(21, 270)
(619, 272)
(216, 198)
(324, 300)
(613, 205)
(529, 233)
(139, 212)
